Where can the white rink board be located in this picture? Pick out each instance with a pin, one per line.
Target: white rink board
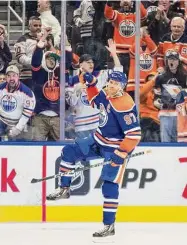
(165, 189)
(26, 163)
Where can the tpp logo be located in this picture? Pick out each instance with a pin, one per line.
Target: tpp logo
(184, 193)
(80, 184)
(7, 179)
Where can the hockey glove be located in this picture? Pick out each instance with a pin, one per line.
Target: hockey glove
(89, 79)
(118, 157)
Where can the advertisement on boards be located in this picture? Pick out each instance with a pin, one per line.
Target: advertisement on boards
(18, 166)
(157, 178)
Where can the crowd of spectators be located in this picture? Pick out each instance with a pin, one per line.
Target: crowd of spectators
(100, 37)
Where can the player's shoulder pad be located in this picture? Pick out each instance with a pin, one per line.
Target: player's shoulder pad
(123, 103)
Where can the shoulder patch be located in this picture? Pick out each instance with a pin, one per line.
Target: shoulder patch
(123, 103)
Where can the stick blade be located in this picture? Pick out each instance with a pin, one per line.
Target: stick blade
(34, 181)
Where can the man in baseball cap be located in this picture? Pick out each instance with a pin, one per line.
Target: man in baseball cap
(12, 77)
(172, 60)
(12, 68)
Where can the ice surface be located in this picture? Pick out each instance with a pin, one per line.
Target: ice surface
(81, 234)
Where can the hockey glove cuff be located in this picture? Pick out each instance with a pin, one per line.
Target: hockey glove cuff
(118, 157)
(89, 79)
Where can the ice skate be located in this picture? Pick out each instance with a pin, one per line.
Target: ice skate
(60, 193)
(108, 230)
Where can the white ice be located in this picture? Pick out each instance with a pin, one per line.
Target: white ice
(81, 234)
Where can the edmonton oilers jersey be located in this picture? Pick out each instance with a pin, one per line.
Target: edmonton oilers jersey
(118, 120)
(17, 105)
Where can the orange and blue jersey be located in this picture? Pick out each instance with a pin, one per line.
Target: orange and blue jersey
(118, 123)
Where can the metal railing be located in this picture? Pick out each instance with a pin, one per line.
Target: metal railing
(22, 20)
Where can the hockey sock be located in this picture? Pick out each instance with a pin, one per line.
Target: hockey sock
(110, 205)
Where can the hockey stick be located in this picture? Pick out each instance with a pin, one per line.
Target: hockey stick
(86, 168)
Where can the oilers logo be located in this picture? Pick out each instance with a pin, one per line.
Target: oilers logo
(51, 90)
(103, 116)
(146, 62)
(83, 97)
(8, 103)
(127, 28)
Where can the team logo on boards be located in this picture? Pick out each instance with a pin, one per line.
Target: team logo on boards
(127, 28)
(80, 181)
(146, 62)
(103, 116)
(9, 103)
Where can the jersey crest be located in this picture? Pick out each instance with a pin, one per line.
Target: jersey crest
(146, 62)
(84, 99)
(103, 117)
(9, 103)
(127, 28)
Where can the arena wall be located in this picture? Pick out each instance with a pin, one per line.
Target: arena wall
(154, 187)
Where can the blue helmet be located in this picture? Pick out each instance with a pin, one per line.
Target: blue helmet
(118, 76)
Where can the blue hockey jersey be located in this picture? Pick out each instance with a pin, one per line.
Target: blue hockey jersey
(118, 126)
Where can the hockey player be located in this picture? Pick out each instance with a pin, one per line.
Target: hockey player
(116, 137)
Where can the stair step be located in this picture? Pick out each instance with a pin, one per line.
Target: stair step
(3, 3)
(17, 31)
(3, 10)
(12, 22)
(4, 15)
(15, 28)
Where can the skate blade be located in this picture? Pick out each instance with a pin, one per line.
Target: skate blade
(105, 240)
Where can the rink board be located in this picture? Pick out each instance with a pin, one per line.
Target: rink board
(93, 214)
(154, 187)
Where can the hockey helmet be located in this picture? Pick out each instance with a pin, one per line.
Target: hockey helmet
(119, 77)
